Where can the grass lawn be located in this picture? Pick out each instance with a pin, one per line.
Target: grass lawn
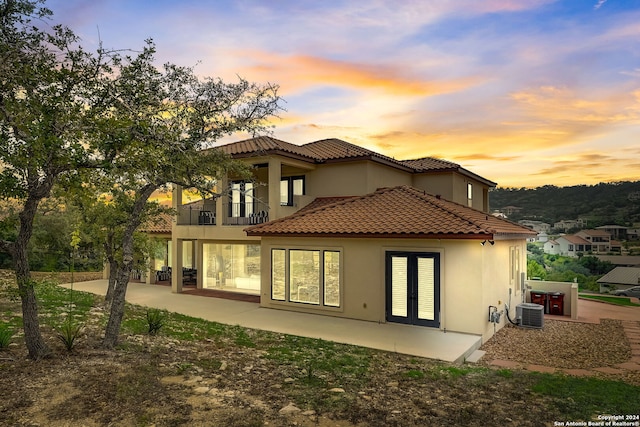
(611, 300)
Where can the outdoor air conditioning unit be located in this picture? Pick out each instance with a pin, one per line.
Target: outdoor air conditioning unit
(530, 315)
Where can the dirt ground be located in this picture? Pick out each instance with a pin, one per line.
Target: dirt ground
(162, 381)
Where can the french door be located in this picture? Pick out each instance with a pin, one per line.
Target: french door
(413, 288)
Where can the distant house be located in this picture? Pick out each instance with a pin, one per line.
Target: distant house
(616, 232)
(510, 210)
(572, 245)
(552, 247)
(620, 278)
(539, 226)
(600, 240)
(568, 224)
(542, 237)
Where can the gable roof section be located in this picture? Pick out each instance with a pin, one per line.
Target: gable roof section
(333, 149)
(391, 212)
(432, 165)
(622, 276)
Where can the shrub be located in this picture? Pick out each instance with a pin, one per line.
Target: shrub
(69, 332)
(155, 320)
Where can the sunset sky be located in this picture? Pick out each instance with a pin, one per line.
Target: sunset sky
(522, 92)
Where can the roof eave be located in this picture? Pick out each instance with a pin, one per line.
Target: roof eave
(440, 236)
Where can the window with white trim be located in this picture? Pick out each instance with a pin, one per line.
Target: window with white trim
(306, 276)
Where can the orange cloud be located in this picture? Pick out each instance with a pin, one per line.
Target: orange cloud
(558, 105)
(298, 72)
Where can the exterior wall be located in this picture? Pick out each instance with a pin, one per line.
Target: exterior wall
(453, 187)
(472, 278)
(352, 179)
(552, 248)
(437, 184)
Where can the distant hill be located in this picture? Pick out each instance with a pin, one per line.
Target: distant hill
(601, 204)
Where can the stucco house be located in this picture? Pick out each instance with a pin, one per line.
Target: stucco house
(600, 240)
(332, 228)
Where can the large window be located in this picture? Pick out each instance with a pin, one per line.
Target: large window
(232, 267)
(308, 276)
(289, 187)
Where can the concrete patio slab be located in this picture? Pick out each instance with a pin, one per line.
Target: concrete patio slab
(405, 339)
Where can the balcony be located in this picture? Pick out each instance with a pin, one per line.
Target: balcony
(234, 214)
(245, 213)
(196, 215)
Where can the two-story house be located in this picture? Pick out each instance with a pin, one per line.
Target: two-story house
(572, 245)
(332, 228)
(600, 240)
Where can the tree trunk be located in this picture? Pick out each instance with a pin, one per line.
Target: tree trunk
(116, 312)
(34, 341)
(124, 271)
(113, 271)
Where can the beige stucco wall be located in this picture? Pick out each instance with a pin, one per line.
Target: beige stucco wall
(453, 186)
(472, 278)
(353, 179)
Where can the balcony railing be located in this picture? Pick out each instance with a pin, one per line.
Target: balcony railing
(234, 214)
(196, 215)
(245, 213)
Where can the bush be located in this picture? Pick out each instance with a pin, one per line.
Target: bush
(69, 332)
(155, 320)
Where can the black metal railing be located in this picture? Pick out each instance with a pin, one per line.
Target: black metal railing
(245, 213)
(196, 215)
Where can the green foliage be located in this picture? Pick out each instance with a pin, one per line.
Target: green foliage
(6, 335)
(601, 204)
(586, 270)
(580, 398)
(535, 270)
(155, 320)
(69, 332)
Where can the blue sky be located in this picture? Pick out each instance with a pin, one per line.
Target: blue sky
(525, 93)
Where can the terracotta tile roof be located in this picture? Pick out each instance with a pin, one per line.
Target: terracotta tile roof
(323, 201)
(576, 240)
(160, 224)
(429, 163)
(333, 149)
(337, 149)
(263, 145)
(391, 212)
